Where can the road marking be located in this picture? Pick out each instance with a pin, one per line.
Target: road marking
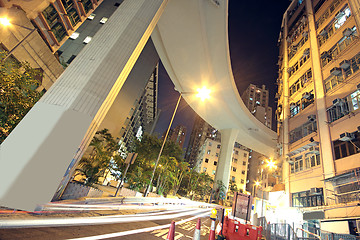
(125, 233)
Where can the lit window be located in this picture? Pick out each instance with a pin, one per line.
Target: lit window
(213, 172)
(74, 36)
(103, 20)
(233, 179)
(87, 39)
(91, 16)
(208, 152)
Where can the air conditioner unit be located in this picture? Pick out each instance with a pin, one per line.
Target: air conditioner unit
(347, 32)
(306, 95)
(306, 52)
(340, 15)
(345, 64)
(335, 71)
(323, 33)
(312, 118)
(345, 137)
(289, 160)
(292, 105)
(337, 101)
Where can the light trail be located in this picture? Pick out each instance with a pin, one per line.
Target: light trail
(130, 232)
(57, 222)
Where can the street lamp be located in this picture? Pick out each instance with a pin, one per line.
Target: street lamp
(202, 93)
(6, 22)
(256, 184)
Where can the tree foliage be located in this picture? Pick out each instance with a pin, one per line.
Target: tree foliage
(18, 83)
(103, 151)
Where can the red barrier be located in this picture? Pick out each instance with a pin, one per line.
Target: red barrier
(233, 229)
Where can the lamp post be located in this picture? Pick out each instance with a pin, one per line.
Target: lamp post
(201, 93)
(6, 22)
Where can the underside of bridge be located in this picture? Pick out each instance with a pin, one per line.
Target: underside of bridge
(191, 39)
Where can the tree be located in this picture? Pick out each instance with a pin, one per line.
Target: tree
(18, 84)
(103, 150)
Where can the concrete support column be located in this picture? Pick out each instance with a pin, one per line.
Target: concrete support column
(323, 129)
(36, 154)
(228, 137)
(286, 108)
(355, 7)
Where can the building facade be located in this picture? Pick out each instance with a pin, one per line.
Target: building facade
(257, 101)
(200, 131)
(177, 135)
(318, 111)
(208, 158)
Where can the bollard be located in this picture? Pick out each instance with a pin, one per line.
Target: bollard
(197, 230)
(171, 233)
(212, 228)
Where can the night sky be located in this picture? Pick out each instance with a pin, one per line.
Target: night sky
(254, 28)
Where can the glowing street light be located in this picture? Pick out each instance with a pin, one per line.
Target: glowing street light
(257, 183)
(202, 93)
(271, 164)
(6, 22)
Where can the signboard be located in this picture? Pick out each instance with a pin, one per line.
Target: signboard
(242, 204)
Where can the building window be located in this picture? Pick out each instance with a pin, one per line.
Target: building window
(213, 172)
(236, 152)
(217, 154)
(210, 144)
(215, 163)
(218, 146)
(244, 163)
(344, 106)
(209, 151)
(308, 199)
(341, 45)
(235, 160)
(245, 155)
(234, 169)
(242, 181)
(233, 179)
(298, 65)
(302, 131)
(204, 169)
(294, 108)
(59, 31)
(87, 5)
(243, 172)
(344, 149)
(206, 160)
(73, 16)
(339, 20)
(51, 15)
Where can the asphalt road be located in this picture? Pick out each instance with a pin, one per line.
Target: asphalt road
(152, 229)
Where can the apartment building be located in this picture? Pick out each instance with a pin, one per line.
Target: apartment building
(318, 111)
(208, 158)
(256, 99)
(200, 131)
(177, 135)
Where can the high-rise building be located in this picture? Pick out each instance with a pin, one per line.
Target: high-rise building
(318, 111)
(257, 101)
(208, 158)
(177, 135)
(200, 131)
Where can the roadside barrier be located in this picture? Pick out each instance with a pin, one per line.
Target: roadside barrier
(233, 229)
(171, 233)
(197, 230)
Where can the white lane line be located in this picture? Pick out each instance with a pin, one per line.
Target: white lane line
(56, 222)
(130, 232)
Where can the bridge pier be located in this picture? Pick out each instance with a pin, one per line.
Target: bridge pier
(228, 137)
(35, 155)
